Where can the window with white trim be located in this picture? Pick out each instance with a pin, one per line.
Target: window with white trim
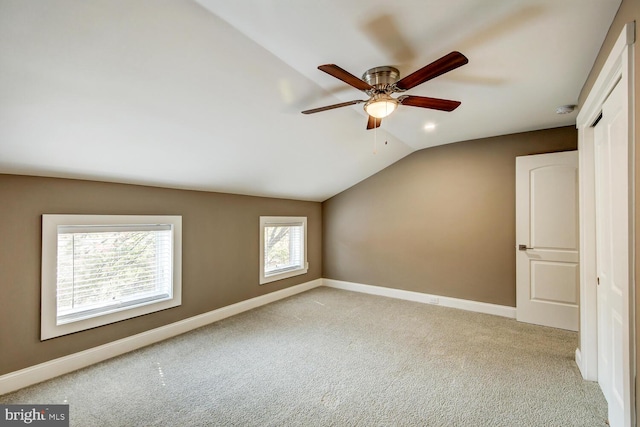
(283, 247)
(100, 269)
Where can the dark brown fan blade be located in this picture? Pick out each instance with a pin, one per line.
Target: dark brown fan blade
(373, 123)
(345, 76)
(433, 103)
(443, 65)
(331, 107)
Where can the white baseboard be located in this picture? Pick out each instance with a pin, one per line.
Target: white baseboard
(579, 361)
(480, 307)
(53, 368)
(63, 365)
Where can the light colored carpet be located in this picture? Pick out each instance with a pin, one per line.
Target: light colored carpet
(335, 358)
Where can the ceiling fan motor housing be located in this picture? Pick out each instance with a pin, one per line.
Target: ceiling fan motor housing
(381, 78)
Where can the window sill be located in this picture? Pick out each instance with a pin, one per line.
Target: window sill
(279, 276)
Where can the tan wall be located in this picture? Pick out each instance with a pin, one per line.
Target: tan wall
(220, 255)
(629, 11)
(440, 221)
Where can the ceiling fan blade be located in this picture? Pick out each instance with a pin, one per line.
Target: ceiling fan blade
(345, 76)
(436, 68)
(426, 102)
(373, 123)
(331, 107)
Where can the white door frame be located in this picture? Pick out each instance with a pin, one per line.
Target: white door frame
(617, 69)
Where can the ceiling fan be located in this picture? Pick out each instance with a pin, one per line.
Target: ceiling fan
(380, 82)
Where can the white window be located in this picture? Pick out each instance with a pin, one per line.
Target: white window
(100, 269)
(283, 247)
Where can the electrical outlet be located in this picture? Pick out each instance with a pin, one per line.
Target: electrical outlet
(434, 300)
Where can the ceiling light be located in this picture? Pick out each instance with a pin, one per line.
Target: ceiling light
(380, 106)
(430, 127)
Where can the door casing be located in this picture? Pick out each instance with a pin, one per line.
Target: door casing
(618, 69)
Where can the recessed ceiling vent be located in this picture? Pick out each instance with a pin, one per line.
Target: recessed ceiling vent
(565, 109)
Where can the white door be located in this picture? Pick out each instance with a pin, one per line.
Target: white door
(547, 268)
(612, 254)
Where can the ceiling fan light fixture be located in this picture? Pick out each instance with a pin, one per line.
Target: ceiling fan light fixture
(380, 106)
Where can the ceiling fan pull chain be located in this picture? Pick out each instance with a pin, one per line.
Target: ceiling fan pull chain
(375, 140)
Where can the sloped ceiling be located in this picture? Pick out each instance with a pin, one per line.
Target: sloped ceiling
(207, 95)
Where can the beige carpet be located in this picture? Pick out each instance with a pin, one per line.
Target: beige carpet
(336, 358)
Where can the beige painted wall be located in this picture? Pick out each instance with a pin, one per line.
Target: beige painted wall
(629, 11)
(220, 255)
(440, 221)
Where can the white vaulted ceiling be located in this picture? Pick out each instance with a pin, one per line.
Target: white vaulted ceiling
(207, 95)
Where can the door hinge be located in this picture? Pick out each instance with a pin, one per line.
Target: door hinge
(598, 280)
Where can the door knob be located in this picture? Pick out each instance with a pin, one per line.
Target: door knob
(523, 247)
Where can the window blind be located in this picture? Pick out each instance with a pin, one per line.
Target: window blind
(104, 268)
(283, 248)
